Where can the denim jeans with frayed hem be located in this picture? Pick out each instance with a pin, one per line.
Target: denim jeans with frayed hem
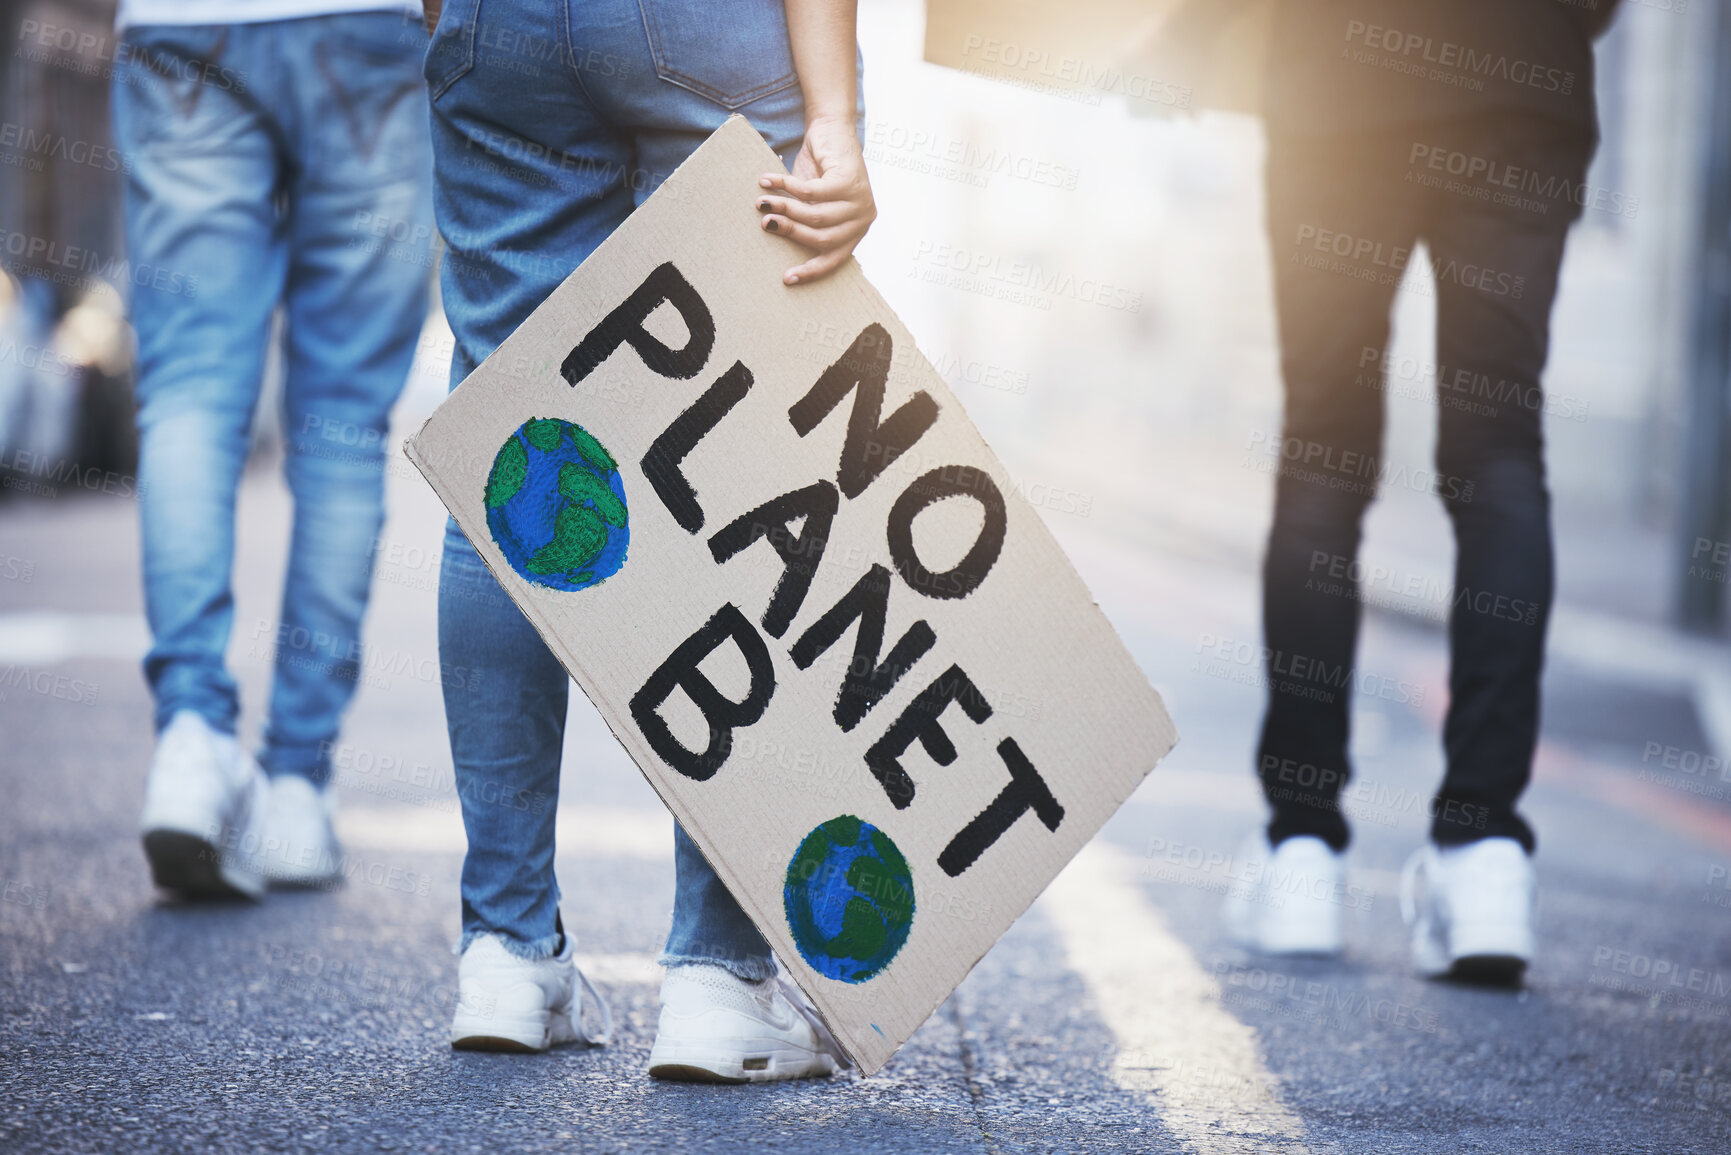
(550, 124)
(282, 164)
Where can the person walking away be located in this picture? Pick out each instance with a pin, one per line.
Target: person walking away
(1467, 124)
(265, 139)
(550, 124)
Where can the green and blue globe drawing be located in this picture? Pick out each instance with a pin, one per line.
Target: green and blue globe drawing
(556, 506)
(849, 899)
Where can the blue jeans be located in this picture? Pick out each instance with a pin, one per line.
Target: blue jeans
(550, 124)
(273, 164)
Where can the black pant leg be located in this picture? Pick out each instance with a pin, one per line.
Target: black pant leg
(1341, 227)
(1496, 264)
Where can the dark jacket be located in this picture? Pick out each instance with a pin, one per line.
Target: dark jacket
(1339, 65)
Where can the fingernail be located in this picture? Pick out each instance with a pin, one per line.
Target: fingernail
(762, 206)
(765, 182)
(770, 224)
(792, 279)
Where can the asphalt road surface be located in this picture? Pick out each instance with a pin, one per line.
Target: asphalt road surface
(1113, 1017)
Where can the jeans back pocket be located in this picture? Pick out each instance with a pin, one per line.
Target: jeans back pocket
(184, 89)
(731, 51)
(451, 51)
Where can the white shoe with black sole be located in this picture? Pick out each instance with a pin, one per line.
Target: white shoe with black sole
(1286, 899)
(1474, 921)
(204, 812)
(507, 1003)
(719, 1028)
(300, 847)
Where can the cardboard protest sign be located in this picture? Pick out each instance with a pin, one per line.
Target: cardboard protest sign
(1164, 56)
(761, 534)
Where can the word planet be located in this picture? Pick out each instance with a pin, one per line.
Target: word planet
(849, 899)
(556, 506)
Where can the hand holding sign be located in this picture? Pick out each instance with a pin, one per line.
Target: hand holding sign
(699, 558)
(825, 203)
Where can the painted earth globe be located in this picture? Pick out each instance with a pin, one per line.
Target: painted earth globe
(849, 898)
(556, 506)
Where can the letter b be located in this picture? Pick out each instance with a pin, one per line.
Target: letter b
(680, 672)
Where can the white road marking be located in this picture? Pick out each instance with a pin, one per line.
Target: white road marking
(623, 969)
(581, 831)
(1202, 1068)
(1230, 790)
(42, 638)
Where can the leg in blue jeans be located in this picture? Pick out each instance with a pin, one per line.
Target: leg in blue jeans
(506, 715)
(246, 191)
(205, 166)
(539, 156)
(360, 243)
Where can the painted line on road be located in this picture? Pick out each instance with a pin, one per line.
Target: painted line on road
(1679, 812)
(1225, 790)
(1202, 1069)
(580, 831)
(45, 638)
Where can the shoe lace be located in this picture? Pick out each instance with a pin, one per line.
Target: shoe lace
(605, 1035)
(1409, 885)
(797, 1000)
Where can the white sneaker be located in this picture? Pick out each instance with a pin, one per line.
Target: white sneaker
(718, 1028)
(506, 1003)
(1287, 899)
(204, 808)
(1476, 919)
(300, 848)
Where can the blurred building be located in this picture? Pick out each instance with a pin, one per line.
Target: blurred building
(1090, 272)
(65, 353)
(1105, 255)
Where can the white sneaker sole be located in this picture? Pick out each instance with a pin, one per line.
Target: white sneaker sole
(522, 1034)
(182, 844)
(1288, 930)
(1483, 953)
(1491, 949)
(193, 865)
(1489, 952)
(294, 878)
(284, 880)
(698, 1064)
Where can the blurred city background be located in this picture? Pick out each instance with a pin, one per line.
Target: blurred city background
(1091, 274)
(1131, 385)
(1144, 375)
